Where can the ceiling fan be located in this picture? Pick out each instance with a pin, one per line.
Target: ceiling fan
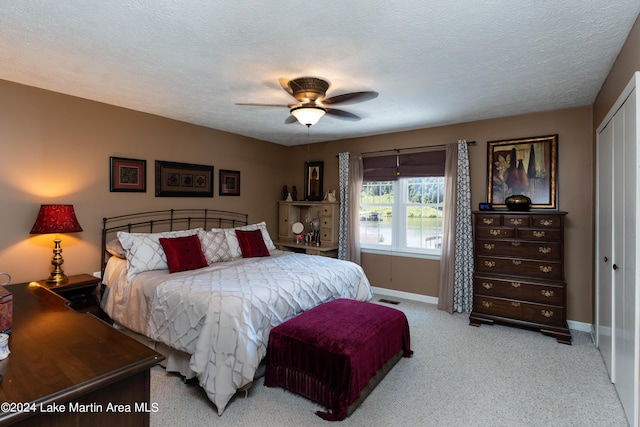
(310, 92)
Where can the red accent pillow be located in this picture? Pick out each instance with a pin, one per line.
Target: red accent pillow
(251, 243)
(183, 253)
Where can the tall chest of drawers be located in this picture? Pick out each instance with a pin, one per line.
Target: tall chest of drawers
(519, 271)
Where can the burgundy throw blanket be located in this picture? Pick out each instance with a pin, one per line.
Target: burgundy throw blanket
(330, 352)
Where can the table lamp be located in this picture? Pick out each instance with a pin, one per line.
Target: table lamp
(56, 219)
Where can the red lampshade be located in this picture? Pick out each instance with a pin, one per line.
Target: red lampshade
(56, 219)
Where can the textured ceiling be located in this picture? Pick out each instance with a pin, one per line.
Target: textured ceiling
(433, 62)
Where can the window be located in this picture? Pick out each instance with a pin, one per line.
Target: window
(404, 215)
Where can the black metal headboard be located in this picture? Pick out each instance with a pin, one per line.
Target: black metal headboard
(167, 220)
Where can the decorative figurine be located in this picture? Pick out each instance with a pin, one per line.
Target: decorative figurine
(285, 192)
(294, 193)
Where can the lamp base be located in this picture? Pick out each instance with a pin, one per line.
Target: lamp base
(57, 275)
(57, 278)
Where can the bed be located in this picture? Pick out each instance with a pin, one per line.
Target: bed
(210, 312)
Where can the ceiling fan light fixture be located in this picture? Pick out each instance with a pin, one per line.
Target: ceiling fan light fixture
(308, 115)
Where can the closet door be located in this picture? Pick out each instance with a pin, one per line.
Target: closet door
(618, 276)
(625, 247)
(604, 246)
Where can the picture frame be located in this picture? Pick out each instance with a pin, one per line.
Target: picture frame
(175, 179)
(229, 183)
(127, 175)
(313, 181)
(527, 166)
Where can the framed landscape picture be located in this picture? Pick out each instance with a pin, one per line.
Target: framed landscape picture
(229, 183)
(127, 175)
(527, 167)
(183, 180)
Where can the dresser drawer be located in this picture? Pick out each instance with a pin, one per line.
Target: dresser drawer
(516, 220)
(488, 220)
(551, 315)
(495, 232)
(550, 293)
(519, 249)
(547, 221)
(537, 234)
(546, 270)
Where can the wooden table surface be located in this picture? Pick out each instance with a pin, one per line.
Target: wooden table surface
(59, 355)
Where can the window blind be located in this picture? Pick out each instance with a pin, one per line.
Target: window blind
(411, 165)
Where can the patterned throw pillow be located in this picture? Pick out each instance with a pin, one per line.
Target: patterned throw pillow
(215, 246)
(251, 244)
(232, 240)
(144, 252)
(183, 253)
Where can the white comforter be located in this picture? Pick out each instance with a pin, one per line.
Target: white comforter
(222, 314)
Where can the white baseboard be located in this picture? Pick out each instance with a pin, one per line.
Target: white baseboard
(577, 326)
(405, 295)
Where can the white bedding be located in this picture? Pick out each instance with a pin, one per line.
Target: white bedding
(222, 314)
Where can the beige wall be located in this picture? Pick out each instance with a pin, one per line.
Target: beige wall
(627, 63)
(575, 169)
(56, 149)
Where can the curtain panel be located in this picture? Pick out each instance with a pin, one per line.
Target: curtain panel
(456, 263)
(350, 183)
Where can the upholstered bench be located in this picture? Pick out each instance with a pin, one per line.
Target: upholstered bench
(336, 353)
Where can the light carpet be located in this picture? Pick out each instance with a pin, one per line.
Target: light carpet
(459, 375)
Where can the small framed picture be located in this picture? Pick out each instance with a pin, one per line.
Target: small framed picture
(127, 175)
(229, 183)
(313, 177)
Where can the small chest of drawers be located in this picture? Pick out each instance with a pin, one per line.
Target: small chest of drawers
(519, 271)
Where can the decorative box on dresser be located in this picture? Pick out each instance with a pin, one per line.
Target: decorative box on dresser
(519, 271)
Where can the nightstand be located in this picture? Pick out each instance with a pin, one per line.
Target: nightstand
(81, 292)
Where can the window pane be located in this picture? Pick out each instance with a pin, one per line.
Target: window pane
(376, 208)
(424, 213)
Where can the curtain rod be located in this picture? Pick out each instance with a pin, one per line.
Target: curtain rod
(398, 150)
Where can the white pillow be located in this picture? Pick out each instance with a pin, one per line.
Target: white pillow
(144, 251)
(232, 240)
(214, 246)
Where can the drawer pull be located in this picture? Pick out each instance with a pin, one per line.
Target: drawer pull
(547, 222)
(547, 313)
(515, 303)
(538, 234)
(489, 246)
(494, 232)
(488, 221)
(487, 304)
(490, 264)
(516, 222)
(487, 285)
(544, 250)
(516, 284)
(547, 293)
(516, 244)
(546, 268)
(516, 261)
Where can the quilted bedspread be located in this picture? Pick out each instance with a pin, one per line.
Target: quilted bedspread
(222, 315)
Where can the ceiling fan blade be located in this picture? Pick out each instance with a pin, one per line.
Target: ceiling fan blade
(252, 104)
(352, 97)
(289, 120)
(343, 115)
(284, 83)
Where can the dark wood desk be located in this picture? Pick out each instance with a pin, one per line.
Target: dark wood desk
(71, 369)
